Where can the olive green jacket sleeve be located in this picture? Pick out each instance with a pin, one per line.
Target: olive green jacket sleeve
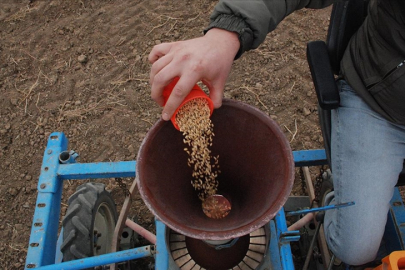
(254, 19)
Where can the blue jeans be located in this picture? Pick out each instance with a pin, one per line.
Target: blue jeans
(367, 155)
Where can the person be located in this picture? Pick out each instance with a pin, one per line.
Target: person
(368, 128)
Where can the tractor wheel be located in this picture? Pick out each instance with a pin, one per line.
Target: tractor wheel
(89, 223)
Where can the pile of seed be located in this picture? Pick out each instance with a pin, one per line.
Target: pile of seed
(193, 119)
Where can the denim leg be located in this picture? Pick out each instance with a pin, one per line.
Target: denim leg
(367, 156)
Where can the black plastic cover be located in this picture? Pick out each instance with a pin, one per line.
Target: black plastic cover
(322, 75)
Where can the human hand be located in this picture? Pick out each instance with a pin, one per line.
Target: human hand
(207, 59)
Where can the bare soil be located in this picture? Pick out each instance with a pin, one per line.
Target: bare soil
(80, 67)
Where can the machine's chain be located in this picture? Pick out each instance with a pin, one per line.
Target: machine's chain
(123, 186)
(318, 186)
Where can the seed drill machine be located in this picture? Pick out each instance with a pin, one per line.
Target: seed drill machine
(257, 174)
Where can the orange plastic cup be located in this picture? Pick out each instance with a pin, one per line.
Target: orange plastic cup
(196, 92)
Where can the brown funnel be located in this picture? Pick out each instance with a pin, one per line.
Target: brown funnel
(257, 172)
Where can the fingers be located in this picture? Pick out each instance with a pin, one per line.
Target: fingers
(160, 80)
(216, 89)
(216, 97)
(179, 92)
(161, 58)
(159, 65)
(159, 51)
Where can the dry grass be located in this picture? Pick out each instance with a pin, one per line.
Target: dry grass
(19, 15)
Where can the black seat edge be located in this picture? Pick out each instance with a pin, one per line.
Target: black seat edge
(322, 75)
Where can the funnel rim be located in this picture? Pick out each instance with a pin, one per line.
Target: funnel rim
(234, 232)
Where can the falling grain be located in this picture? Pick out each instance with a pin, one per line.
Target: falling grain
(194, 122)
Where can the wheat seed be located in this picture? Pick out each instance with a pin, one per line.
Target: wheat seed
(193, 119)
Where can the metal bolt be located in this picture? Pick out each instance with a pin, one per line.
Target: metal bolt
(42, 186)
(49, 151)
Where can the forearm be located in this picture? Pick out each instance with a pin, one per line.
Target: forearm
(253, 20)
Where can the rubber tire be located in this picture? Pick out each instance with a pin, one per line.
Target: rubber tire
(78, 224)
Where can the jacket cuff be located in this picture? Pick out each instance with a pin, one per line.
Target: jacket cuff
(234, 24)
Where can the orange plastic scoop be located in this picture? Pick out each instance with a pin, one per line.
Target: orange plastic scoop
(196, 92)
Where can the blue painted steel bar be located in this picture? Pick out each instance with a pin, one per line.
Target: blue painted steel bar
(44, 230)
(162, 255)
(285, 248)
(97, 170)
(290, 236)
(310, 157)
(105, 259)
(317, 209)
(273, 251)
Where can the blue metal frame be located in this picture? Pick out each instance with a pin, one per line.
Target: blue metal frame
(310, 157)
(44, 232)
(162, 254)
(105, 259)
(96, 170)
(280, 249)
(42, 251)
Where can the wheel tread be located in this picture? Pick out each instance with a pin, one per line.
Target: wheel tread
(72, 211)
(82, 198)
(76, 252)
(77, 224)
(80, 226)
(69, 239)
